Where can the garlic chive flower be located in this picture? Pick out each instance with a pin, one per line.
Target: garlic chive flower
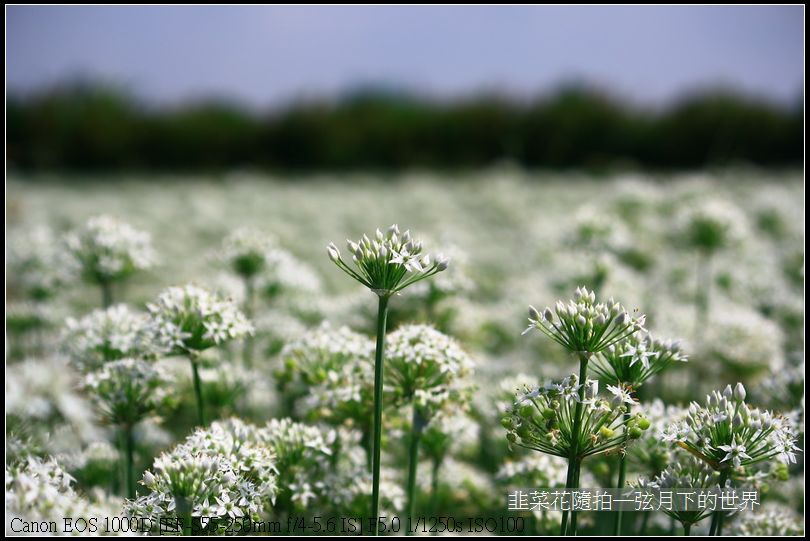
(425, 366)
(106, 335)
(688, 473)
(128, 390)
(389, 262)
(109, 251)
(584, 325)
(41, 492)
(543, 419)
(188, 320)
(191, 319)
(246, 251)
(728, 434)
(769, 521)
(217, 473)
(635, 360)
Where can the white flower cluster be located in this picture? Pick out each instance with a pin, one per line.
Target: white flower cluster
(40, 490)
(127, 391)
(727, 433)
(543, 419)
(245, 251)
(449, 432)
(689, 473)
(37, 265)
(426, 366)
(191, 319)
(216, 472)
(533, 470)
(302, 454)
(770, 521)
(638, 358)
(711, 225)
(331, 371)
(584, 325)
(390, 262)
(43, 395)
(648, 453)
(106, 335)
(108, 250)
(744, 341)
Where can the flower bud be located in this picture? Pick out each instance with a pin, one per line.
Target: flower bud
(334, 253)
(643, 423)
(534, 315)
(148, 478)
(548, 315)
(634, 433)
(739, 392)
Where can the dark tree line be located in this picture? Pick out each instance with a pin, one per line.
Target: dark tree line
(95, 128)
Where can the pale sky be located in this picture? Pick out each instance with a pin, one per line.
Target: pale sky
(269, 55)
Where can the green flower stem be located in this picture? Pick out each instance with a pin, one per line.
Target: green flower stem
(584, 356)
(686, 529)
(434, 486)
(417, 424)
(183, 507)
(106, 294)
(198, 389)
(718, 516)
(250, 299)
(129, 444)
(703, 294)
(382, 317)
(617, 528)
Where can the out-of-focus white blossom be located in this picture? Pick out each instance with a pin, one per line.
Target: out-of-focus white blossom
(129, 390)
(108, 250)
(425, 366)
(40, 490)
(190, 319)
(37, 265)
(106, 335)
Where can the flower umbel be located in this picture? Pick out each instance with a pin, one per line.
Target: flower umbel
(388, 263)
(728, 433)
(637, 359)
(584, 325)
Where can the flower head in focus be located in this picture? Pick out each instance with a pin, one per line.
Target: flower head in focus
(726, 433)
(542, 419)
(585, 325)
(389, 262)
(638, 358)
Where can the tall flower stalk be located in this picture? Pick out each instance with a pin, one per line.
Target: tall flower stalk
(585, 328)
(386, 265)
(127, 391)
(570, 420)
(627, 365)
(189, 320)
(426, 374)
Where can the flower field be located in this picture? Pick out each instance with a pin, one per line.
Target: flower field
(269, 355)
